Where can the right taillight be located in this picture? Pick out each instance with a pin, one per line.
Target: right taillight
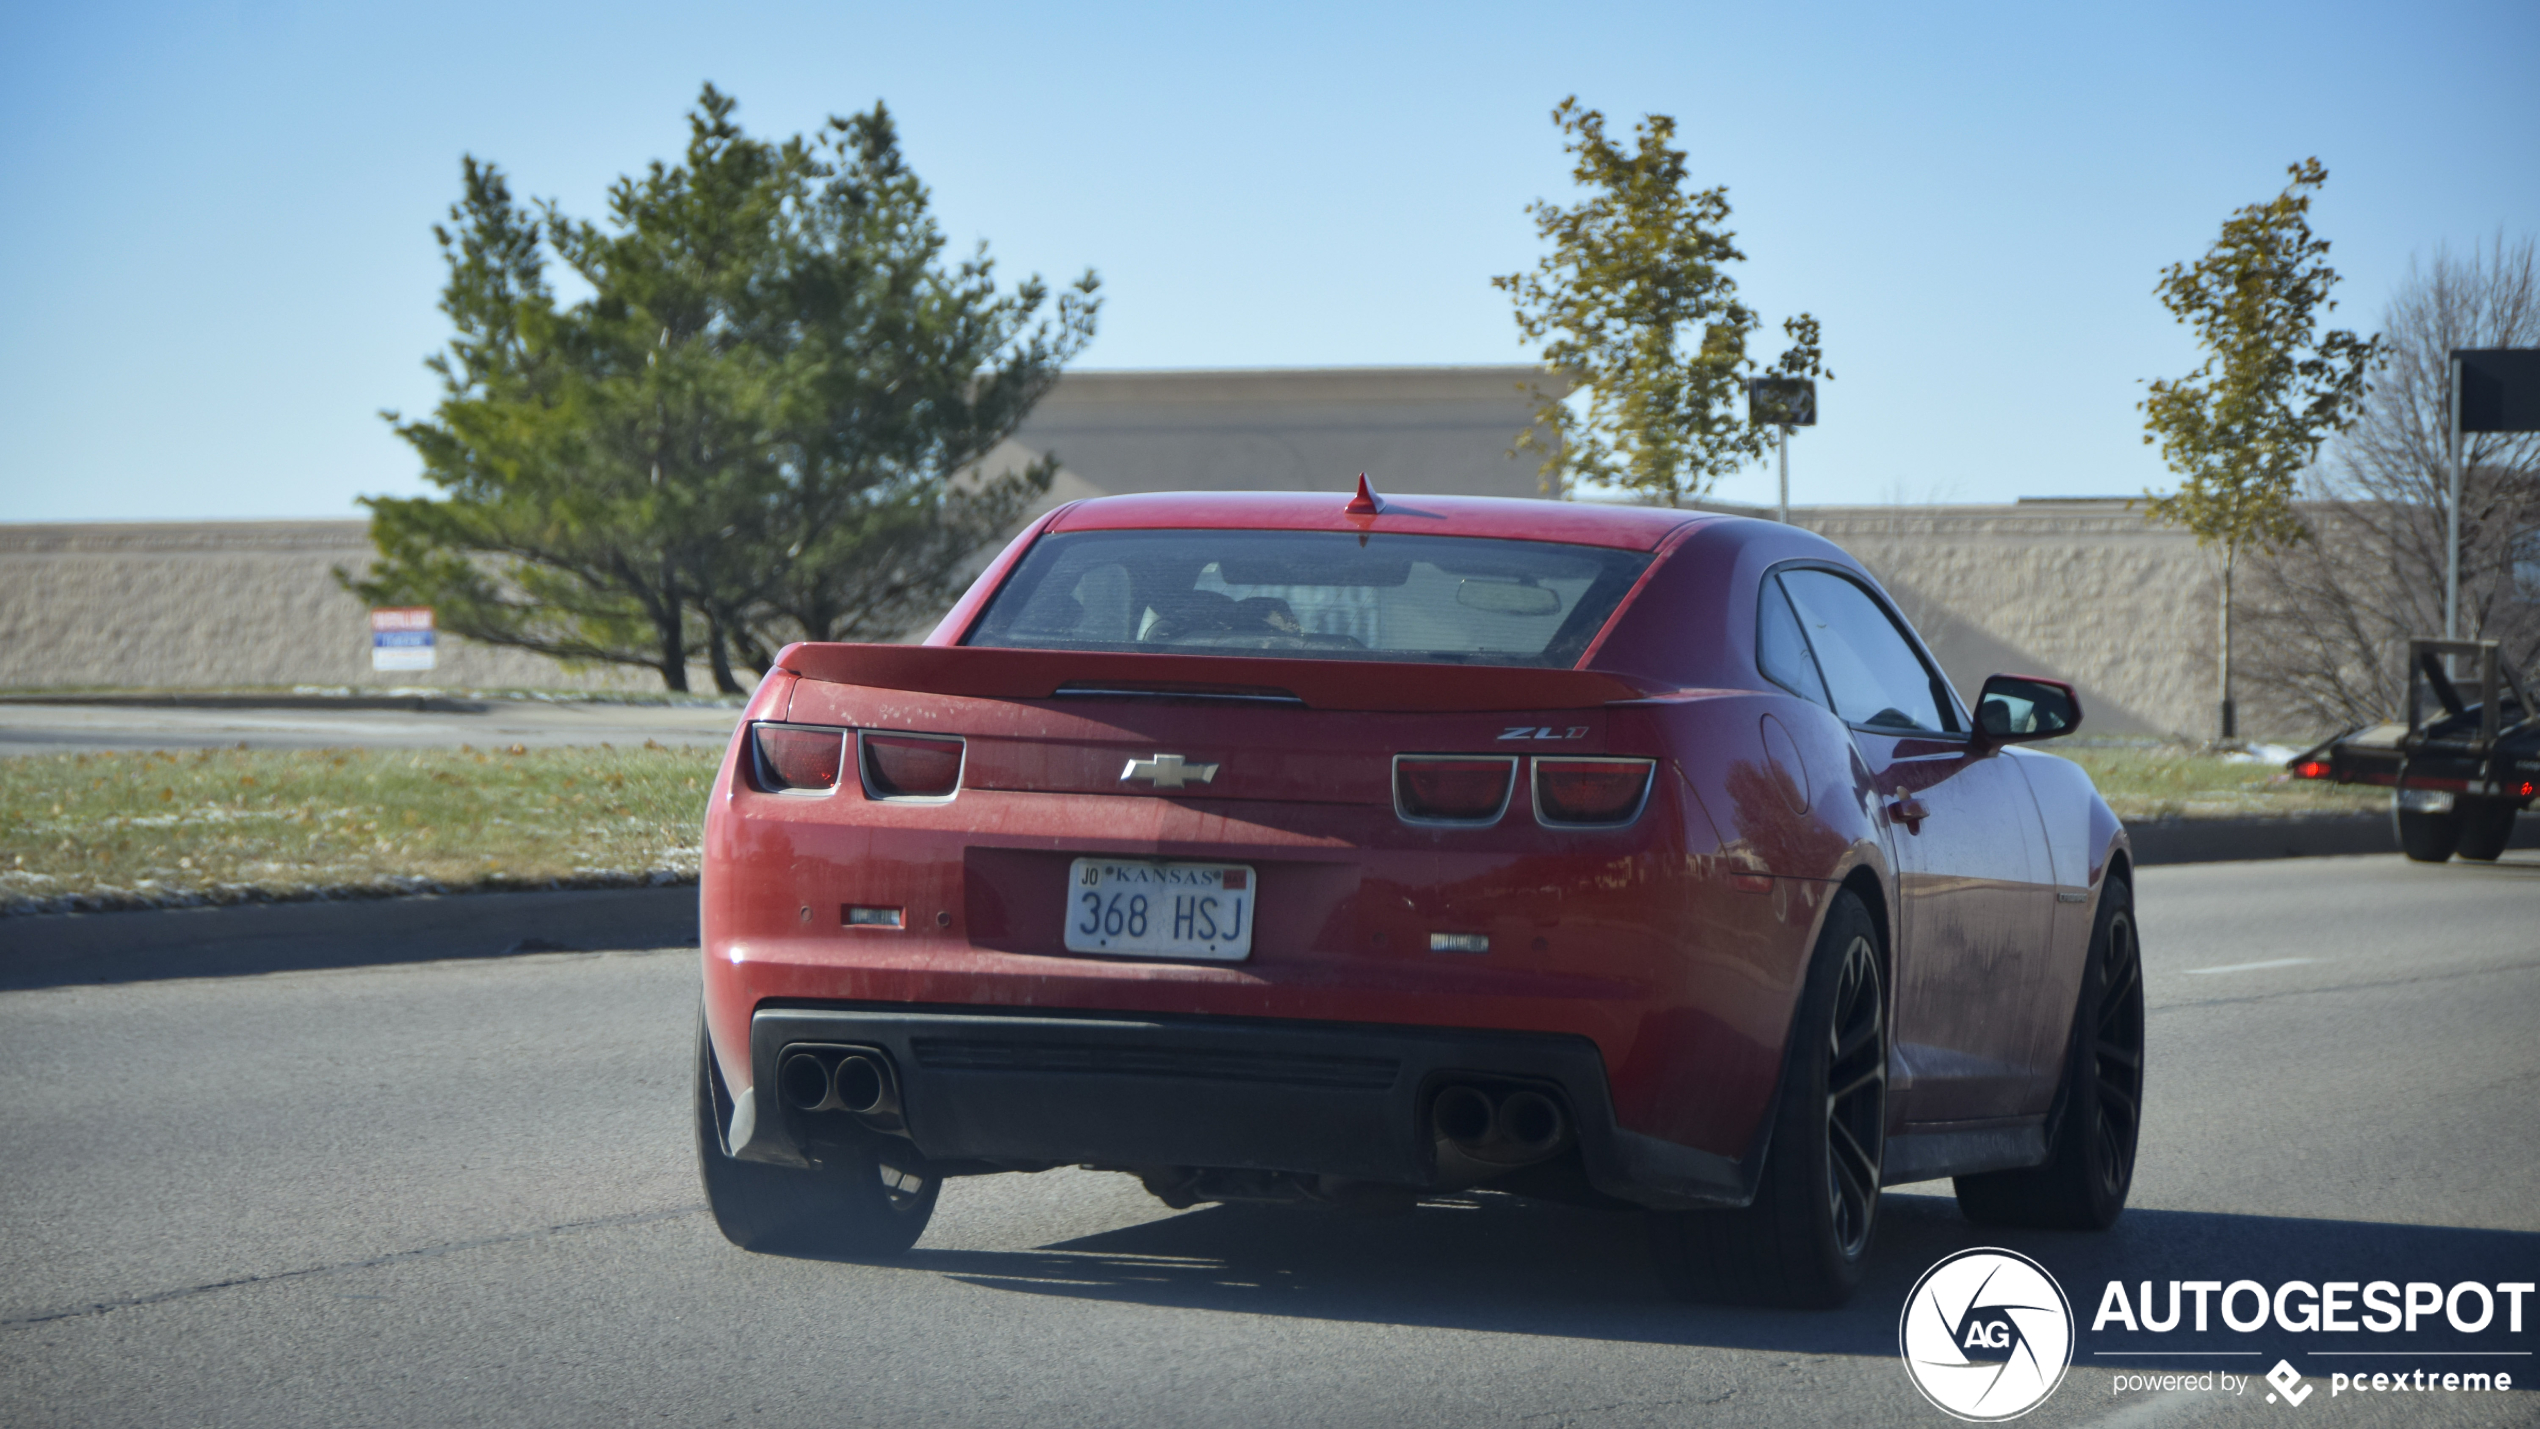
(910, 766)
(1451, 789)
(799, 758)
(1586, 793)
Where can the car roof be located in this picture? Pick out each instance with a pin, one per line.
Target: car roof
(1627, 528)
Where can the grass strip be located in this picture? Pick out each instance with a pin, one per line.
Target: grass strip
(2147, 780)
(156, 829)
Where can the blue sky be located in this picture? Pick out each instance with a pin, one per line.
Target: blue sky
(217, 264)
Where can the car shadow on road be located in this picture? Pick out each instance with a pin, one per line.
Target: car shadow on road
(1500, 1264)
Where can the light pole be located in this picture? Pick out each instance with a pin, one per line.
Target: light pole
(2452, 511)
(1784, 444)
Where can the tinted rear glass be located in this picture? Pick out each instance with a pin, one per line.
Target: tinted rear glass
(1318, 595)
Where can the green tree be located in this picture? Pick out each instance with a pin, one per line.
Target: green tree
(1636, 303)
(764, 422)
(2242, 427)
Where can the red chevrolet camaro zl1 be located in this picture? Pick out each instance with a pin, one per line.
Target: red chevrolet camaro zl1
(1291, 847)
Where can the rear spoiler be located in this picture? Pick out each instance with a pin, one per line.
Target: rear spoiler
(1373, 685)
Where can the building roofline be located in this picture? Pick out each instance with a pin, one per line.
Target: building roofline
(1493, 383)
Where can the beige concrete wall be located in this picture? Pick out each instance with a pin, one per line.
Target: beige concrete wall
(216, 603)
(2079, 590)
(2085, 591)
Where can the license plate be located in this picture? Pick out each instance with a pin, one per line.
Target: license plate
(1131, 909)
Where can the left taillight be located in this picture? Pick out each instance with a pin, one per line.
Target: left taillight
(799, 758)
(909, 766)
(1590, 793)
(1452, 789)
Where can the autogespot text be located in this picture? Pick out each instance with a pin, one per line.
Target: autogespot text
(2474, 1313)
(2334, 1306)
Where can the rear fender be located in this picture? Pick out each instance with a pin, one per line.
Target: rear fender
(727, 1014)
(1787, 829)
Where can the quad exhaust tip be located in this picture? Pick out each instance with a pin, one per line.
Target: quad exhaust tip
(1531, 1122)
(852, 1079)
(1509, 1128)
(1464, 1115)
(861, 1085)
(804, 1082)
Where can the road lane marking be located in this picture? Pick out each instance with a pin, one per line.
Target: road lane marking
(2253, 967)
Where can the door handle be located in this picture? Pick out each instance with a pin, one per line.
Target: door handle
(1910, 812)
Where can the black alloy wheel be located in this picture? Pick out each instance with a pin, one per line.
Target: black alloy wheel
(1803, 1241)
(2097, 1124)
(2117, 1047)
(1856, 1096)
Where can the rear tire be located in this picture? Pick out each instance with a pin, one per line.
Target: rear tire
(1803, 1241)
(854, 1206)
(2425, 836)
(2486, 827)
(2099, 1119)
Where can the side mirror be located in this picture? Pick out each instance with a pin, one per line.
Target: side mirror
(2015, 709)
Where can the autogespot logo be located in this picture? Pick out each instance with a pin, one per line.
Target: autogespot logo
(1987, 1334)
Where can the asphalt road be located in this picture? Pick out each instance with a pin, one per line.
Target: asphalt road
(460, 1192)
(86, 729)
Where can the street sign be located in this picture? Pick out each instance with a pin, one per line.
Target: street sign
(1784, 402)
(401, 638)
(2494, 389)
(1781, 401)
(2500, 389)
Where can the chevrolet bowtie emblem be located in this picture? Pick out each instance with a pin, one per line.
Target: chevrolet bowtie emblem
(1169, 771)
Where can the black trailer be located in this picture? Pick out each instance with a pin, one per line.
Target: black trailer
(2458, 769)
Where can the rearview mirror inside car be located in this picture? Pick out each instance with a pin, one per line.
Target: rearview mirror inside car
(2013, 709)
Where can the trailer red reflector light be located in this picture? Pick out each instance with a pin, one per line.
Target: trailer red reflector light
(910, 766)
(802, 758)
(2311, 769)
(1591, 791)
(1474, 789)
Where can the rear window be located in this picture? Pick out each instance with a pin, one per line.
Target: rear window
(1320, 595)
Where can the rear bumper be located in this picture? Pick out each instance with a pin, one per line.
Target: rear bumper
(1333, 1099)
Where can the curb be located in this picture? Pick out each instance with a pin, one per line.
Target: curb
(243, 940)
(242, 895)
(2171, 841)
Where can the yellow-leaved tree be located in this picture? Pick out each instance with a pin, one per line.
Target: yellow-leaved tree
(2242, 427)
